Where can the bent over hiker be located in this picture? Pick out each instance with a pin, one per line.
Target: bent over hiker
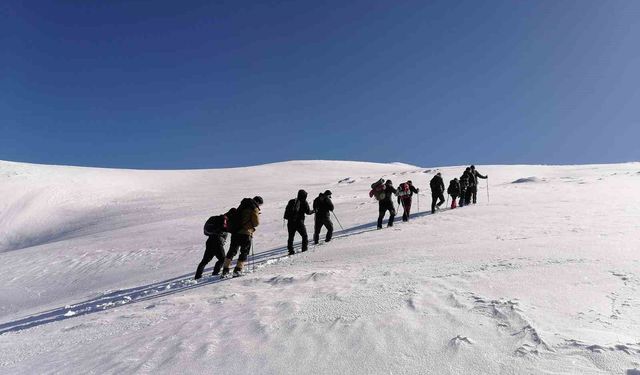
(216, 230)
(454, 191)
(323, 207)
(245, 222)
(437, 192)
(386, 204)
(405, 194)
(295, 213)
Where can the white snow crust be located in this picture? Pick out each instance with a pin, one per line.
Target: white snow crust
(96, 269)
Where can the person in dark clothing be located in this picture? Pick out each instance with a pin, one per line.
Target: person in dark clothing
(323, 207)
(248, 217)
(295, 214)
(464, 185)
(437, 192)
(405, 198)
(454, 191)
(386, 204)
(475, 175)
(214, 248)
(468, 177)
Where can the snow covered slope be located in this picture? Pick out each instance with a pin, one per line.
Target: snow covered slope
(96, 268)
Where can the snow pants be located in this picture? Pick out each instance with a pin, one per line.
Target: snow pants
(406, 206)
(383, 207)
(319, 223)
(434, 201)
(240, 242)
(298, 227)
(474, 194)
(214, 248)
(468, 194)
(453, 201)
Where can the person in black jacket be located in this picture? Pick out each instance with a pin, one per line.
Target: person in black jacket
(437, 192)
(405, 197)
(474, 176)
(295, 214)
(465, 186)
(386, 204)
(323, 206)
(454, 191)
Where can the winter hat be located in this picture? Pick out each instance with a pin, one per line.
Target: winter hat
(410, 182)
(389, 182)
(473, 167)
(258, 200)
(302, 194)
(328, 192)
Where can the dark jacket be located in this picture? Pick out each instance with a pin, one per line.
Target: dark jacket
(474, 177)
(437, 185)
(301, 208)
(322, 206)
(464, 181)
(408, 197)
(389, 190)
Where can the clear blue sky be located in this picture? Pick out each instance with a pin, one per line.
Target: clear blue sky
(199, 84)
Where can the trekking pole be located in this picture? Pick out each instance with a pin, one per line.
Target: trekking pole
(334, 215)
(253, 261)
(488, 200)
(447, 204)
(418, 194)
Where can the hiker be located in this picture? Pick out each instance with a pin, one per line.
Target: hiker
(454, 191)
(323, 207)
(246, 219)
(464, 185)
(215, 229)
(385, 203)
(295, 213)
(405, 194)
(474, 185)
(437, 192)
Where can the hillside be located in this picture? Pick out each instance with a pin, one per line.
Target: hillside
(96, 268)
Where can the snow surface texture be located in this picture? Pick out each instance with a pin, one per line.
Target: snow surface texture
(96, 274)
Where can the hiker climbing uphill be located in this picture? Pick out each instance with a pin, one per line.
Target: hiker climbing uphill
(383, 193)
(243, 226)
(322, 206)
(295, 213)
(437, 192)
(405, 195)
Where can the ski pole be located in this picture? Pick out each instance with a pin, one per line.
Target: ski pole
(488, 200)
(334, 215)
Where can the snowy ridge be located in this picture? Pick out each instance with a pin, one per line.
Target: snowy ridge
(97, 264)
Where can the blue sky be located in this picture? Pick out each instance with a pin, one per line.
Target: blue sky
(204, 84)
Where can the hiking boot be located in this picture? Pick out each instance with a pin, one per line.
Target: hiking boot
(225, 273)
(237, 272)
(291, 252)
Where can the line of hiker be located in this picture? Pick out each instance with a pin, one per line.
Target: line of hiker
(241, 222)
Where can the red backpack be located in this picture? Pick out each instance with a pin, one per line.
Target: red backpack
(403, 190)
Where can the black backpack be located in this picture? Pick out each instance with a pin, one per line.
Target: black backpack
(454, 188)
(291, 210)
(221, 223)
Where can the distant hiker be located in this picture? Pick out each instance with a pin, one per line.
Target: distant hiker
(295, 213)
(454, 191)
(216, 230)
(437, 192)
(405, 194)
(474, 185)
(385, 203)
(244, 224)
(464, 185)
(323, 207)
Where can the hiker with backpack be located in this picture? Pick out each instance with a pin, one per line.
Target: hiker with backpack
(475, 175)
(295, 213)
(405, 195)
(216, 230)
(437, 192)
(454, 191)
(243, 225)
(323, 207)
(383, 192)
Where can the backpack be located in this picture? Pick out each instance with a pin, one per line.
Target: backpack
(454, 188)
(464, 182)
(291, 210)
(403, 190)
(220, 223)
(378, 190)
